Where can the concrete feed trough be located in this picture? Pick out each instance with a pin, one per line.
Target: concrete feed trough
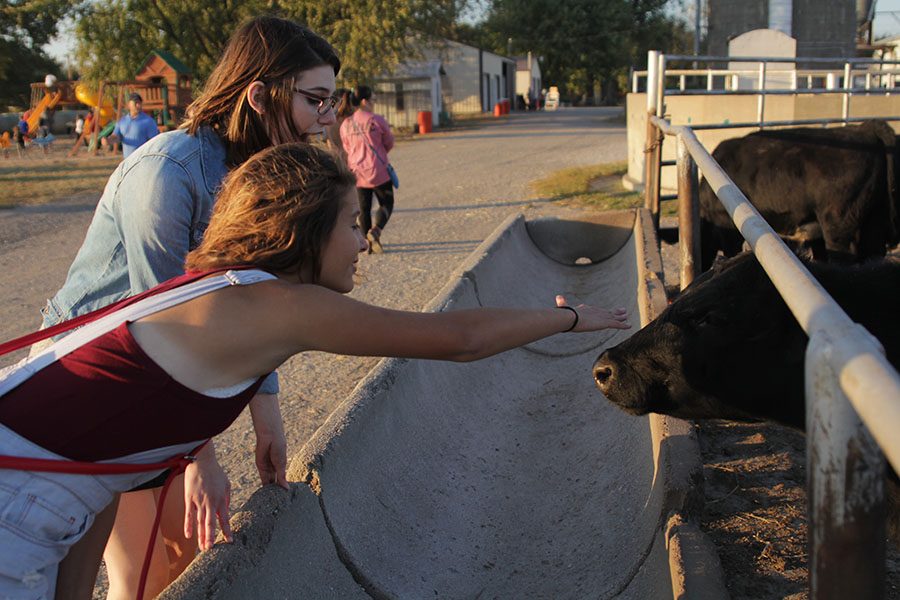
(503, 478)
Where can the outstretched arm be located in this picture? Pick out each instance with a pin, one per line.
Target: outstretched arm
(249, 331)
(310, 317)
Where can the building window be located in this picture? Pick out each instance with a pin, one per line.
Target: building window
(398, 99)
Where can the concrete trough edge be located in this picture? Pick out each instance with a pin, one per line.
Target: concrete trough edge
(694, 566)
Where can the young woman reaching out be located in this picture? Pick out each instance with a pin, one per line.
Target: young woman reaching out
(273, 84)
(287, 220)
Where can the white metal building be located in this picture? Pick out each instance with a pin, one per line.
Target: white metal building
(452, 78)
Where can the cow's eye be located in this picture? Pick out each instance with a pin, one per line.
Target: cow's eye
(711, 319)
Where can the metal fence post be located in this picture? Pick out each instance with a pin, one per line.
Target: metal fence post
(848, 85)
(688, 214)
(761, 102)
(845, 472)
(653, 146)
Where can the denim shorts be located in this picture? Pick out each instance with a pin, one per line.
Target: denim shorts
(43, 514)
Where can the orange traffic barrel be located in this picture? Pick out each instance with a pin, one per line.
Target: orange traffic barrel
(423, 118)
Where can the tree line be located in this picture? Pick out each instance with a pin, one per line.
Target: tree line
(585, 47)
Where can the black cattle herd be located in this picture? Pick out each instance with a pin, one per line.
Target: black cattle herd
(728, 347)
(832, 192)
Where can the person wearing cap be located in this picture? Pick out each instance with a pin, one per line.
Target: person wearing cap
(135, 128)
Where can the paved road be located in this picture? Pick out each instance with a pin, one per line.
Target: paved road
(456, 187)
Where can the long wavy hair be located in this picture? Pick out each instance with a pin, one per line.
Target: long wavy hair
(276, 212)
(267, 49)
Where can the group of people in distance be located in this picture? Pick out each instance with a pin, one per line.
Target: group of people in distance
(238, 189)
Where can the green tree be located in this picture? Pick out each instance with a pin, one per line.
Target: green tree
(585, 45)
(371, 36)
(25, 26)
(114, 38)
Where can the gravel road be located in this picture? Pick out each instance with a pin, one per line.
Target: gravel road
(456, 187)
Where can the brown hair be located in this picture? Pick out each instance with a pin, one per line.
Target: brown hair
(266, 49)
(276, 212)
(344, 108)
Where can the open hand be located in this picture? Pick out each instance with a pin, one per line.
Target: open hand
(594, 318)
(207, 498)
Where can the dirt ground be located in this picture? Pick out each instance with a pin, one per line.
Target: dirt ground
(755, 510)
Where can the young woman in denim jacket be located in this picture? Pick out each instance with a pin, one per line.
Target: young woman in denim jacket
(274, 84)
(291, 214)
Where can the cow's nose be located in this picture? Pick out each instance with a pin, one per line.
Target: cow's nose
(604, 371)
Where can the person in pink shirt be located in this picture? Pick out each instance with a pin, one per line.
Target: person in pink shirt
(367, 139)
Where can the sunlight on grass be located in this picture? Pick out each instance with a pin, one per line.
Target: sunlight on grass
(598, 186)
(595, 185)
(34, 181)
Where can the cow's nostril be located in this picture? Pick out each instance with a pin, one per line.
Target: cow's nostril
(602, 374)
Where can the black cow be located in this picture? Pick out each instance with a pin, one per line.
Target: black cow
(833, 190)
(729, 348)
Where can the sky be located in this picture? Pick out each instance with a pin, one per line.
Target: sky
(885, 24)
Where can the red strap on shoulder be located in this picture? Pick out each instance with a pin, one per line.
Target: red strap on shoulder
(43, 334)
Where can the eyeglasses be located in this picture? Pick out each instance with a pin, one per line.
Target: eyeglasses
(325, 104)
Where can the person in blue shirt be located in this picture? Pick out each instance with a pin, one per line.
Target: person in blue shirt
(23, 125)
(21, 132)
(135, 128)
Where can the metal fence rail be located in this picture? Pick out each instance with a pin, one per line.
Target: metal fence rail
(656, 80)
(657, 73)
(878, 81)
(845, 367)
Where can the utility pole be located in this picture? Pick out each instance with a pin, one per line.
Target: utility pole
(697, 9)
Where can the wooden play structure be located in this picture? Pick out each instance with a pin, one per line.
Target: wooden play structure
(163, 81)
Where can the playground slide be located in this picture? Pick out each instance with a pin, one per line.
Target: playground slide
(46, 103)
(509, 477)
(86, 96)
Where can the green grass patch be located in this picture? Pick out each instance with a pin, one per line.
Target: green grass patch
(38, 181)
(598, 186)
(668, 208)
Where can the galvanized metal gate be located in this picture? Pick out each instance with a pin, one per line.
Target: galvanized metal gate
(852, 392)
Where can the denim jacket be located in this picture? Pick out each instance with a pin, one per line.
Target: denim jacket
(154, 210)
